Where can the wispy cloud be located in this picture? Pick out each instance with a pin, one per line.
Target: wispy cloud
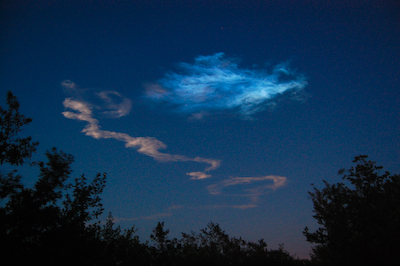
(216, 189)
(172, 210)
(223, 80)
(160, 215)
(198, 175)
(245, 206)
(116, 109)
(216, 82)
(82, 110)
(108, 103)
(253, 193)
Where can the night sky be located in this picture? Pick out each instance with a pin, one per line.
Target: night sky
(200, 111)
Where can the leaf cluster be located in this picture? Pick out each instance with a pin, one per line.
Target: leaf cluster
(13, 149)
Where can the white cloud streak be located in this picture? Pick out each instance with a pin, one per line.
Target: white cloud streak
(149, 146)
(253, 193)
(216, 82)
(198, 175)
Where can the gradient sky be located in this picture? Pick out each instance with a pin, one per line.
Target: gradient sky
(199, 111)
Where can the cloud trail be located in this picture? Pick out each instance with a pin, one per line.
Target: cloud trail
(252, 193)
(82, 111)
(117, 109)
(166, 213)
(216, 82)
(171, 211)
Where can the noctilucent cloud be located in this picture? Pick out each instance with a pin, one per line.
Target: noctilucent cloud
(212, 82)
(208, 111)
(216, 82)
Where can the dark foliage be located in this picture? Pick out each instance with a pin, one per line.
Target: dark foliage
(212, 246)
(47, 223)
(360, 223)
(14, 150)
(50, 220)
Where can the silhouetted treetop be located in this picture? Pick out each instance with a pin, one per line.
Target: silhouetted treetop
(13, 149)
(360, 222)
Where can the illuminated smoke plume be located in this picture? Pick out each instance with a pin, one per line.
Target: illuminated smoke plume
(83, 110)
(216, 82)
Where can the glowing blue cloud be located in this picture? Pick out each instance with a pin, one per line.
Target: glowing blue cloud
(216, 82)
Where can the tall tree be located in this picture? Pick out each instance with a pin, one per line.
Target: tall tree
(13, 149)
(360, 222)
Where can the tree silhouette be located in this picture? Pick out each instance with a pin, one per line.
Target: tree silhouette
(48, 221)
(53, 215)
(120, 247)
(360, 222)
(213, 246)
(14, 150)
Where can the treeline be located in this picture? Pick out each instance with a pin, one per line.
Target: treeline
(110, 245)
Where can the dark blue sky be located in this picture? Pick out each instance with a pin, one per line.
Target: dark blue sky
(321, 79)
